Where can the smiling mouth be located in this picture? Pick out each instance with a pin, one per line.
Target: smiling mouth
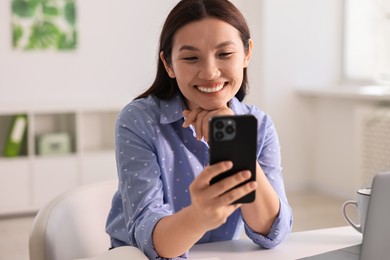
(213, 89)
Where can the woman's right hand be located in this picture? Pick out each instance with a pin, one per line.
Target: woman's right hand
(200, 118)
(211, 205)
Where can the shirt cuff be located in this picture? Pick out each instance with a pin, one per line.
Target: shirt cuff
(145, 237)
(279, 230)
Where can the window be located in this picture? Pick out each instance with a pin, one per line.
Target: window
(367, 41)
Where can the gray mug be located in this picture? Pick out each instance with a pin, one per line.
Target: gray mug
(361, 206)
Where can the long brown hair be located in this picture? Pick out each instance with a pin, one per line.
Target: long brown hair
(185, 12)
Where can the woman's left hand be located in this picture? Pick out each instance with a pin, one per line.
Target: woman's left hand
(200, 118)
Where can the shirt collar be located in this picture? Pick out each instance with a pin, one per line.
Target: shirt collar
(237, 106)
(172, 109)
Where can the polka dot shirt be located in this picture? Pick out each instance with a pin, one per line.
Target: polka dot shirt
(157, 159)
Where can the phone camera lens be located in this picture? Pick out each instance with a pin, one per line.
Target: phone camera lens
(219, 135)
(229, 129)
(219, 125)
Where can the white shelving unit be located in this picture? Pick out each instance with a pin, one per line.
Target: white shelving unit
(30, 180)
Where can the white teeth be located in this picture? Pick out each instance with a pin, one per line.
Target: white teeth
(211, 90)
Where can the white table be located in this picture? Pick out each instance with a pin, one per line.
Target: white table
(297, 245)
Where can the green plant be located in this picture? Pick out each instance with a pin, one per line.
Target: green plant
(23, 8)
(17, 33)
(70, 12)
(43, 35)
(37, 20)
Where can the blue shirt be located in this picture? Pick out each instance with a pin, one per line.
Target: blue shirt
(157, 159)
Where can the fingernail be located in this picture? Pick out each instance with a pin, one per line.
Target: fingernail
(229, 164)
(246, 174)
(253, 185)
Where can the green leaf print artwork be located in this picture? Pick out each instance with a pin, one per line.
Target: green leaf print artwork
(44, 25)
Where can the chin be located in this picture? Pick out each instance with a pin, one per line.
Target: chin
(211, 107)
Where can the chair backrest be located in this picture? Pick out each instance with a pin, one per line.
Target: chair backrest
(73, 224)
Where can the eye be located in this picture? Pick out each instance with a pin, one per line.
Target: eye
(191, 59)
(225, 54)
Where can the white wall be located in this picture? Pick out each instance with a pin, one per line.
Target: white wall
(302, 47)
(296, 43)
(115, 56)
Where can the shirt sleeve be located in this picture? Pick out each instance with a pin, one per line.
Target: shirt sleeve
(270, 161)
(140, 182)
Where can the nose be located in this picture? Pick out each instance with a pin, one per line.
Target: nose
(209, 70)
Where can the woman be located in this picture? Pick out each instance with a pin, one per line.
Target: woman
(165, 203)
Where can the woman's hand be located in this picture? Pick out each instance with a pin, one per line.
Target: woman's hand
(211, 205)
(200, 118)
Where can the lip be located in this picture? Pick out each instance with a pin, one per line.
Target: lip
(211, 88)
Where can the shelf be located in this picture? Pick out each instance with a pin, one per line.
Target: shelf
(15, 180)
(43, 170)
(366, 92)
(97, 130)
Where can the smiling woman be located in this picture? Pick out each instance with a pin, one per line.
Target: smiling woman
(208, 69)
(165, 203)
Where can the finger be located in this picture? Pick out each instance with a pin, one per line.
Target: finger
(205, 128)
(190, 116)
(199, 124)
(213, 170)
(187, 121)
(202, 181)
(237, 193)
(224, 111)
(186, 112)
(228, 183)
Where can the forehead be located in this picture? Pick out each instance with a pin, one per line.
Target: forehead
(207, 32)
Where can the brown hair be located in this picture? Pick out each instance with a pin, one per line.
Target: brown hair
(185, 12)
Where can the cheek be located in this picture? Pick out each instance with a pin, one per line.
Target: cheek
(235, 72)
(235, 67)
(183, 74)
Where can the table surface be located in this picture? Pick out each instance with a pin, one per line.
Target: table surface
(296, 245)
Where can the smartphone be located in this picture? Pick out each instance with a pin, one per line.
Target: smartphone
(234, 138)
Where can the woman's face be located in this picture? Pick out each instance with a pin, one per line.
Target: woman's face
(208, 61)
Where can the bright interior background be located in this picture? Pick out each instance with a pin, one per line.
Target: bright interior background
(297, 43)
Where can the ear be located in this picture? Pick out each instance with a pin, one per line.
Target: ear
(168, 68)
(248, 54)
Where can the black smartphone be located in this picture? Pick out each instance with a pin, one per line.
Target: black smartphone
(234, 138)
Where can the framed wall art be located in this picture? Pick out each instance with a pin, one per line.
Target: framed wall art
(44, 25)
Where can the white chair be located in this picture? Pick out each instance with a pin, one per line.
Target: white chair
(72, 225)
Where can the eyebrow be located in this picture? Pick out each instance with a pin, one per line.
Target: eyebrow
(219, 46)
